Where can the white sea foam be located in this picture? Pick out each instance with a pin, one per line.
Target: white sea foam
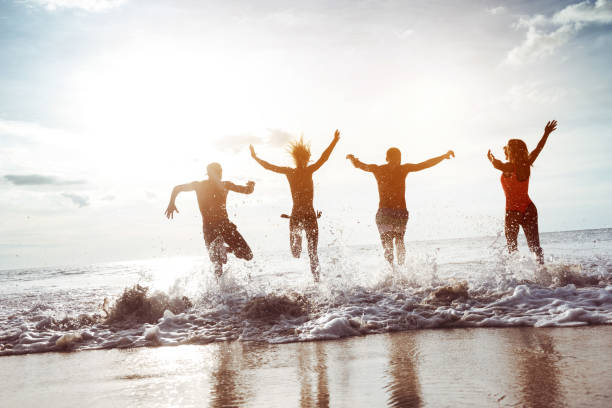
(461, 283)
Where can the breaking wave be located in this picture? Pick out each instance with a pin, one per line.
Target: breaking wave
(421, 295)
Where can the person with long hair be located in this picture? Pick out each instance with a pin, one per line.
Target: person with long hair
(303, 216)
(520, 210)
(392, 215)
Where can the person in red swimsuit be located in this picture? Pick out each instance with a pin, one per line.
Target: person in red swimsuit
(520, 210)
(303, 216)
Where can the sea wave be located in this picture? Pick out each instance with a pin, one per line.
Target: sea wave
(239, 307)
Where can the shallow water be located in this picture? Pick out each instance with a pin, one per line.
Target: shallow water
(507, 367)
(445, 284)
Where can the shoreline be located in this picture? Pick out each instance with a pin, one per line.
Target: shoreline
(443, 367)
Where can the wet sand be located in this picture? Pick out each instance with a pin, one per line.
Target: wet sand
(561, 367)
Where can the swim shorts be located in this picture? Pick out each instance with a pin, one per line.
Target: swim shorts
(231, 237)
(391, 220)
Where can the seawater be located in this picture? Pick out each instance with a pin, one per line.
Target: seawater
(452, 283)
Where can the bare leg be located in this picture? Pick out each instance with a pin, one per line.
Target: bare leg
(312, 235)
(217, 254)
(530, 226)
(235, 243)
(400, 248)
(218, 269)
(512, 229)
(387, 242)
(295, 239)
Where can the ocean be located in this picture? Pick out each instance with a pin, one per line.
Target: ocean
(459, 283)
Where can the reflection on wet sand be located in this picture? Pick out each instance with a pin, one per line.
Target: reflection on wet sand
(537, 369)
(403, 388)
(228, 386)
(312, 360)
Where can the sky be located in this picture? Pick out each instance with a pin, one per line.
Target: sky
(106, 105)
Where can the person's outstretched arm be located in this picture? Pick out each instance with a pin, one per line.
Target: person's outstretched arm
(268, 166)
(248, 189)
(325, 156)
(428, 163)
(360, 165)
(175, 191)
(498, 164)
(550, 127)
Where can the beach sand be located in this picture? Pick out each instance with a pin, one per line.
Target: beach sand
(531, 367)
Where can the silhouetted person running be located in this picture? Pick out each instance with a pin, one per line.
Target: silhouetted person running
(303, 216)
(392, 215)
(520, 210)
(220, 235)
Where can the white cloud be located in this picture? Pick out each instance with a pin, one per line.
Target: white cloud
(496, 10)
(87, 5)
(236, 143)
(538, 44)
(546, 34)
(599, 12)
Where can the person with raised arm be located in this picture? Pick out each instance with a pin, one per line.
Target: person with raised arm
(220, 234)
(303, 216)
(520, 210)
(392, 215)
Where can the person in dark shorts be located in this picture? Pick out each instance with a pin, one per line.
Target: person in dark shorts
(392, 215)
(220, 235)
(303, 216)
(520, 210)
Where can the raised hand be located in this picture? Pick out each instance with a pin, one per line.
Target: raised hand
(490, 156)
(253, 155)
(170, 211)
(551, 126)
(449, 154)
(336, 135)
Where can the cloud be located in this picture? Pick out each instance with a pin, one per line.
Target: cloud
(87, 5)
(546, 34)
(236, 143)
(79, 200)
(538, 44)
(39, 180)
(279, 137)
(496, 10)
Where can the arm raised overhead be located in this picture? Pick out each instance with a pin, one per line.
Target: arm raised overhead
(268, 166)
(548, 129)
(326, 153)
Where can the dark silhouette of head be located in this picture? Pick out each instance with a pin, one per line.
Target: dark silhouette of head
(214, 171)
(518, 154)
(394, 156)
(300, 152)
